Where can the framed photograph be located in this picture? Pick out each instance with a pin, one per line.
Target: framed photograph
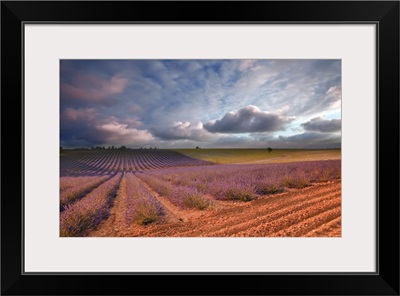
(252, 151)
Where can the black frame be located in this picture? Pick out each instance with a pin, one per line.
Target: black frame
(385, 14)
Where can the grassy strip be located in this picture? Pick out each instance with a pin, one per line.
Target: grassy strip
(260, 155)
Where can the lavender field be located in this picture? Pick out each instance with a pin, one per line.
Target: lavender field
(238, 182)
(138, 188)
(200, 147)
(99, 162)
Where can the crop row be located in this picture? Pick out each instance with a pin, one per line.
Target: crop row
(140, 205)
(90, 200)
(85, 214)
(180, 195)
(74, 188)
(238, 182)
(98, 162)
(67, 183)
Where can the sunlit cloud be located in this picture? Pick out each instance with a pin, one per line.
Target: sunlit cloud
(118, 133)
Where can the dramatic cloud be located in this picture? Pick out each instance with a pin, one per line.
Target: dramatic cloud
(92, 88)
(182, 130)
(117, 133)
(206, 103)
(87, 127)
(319, 124)
(247, 120)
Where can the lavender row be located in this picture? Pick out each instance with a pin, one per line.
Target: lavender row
(74, 188)
(246, 182)
(69, 182)
(141, 206)
(182, 196)
(82, 216)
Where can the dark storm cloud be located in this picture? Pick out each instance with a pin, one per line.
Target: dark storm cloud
(86, 127)
(182, 131)
(319, 124)
(247, 120)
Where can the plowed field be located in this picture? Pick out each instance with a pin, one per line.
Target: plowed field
(314, 211)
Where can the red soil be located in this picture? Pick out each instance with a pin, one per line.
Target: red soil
(313, 211)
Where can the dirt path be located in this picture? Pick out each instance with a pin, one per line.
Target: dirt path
(116, 221)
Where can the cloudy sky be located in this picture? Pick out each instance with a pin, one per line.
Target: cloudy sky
(207, 103)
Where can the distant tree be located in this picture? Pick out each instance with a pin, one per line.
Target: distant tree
(197, 147)
(269, 149)
(122, 147)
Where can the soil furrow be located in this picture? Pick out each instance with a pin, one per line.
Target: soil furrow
(238, 212)
(276, 211)
(305, 225)
(328, 229)
(269, 224)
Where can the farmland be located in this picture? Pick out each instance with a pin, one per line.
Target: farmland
(260, 155)
(200, 192)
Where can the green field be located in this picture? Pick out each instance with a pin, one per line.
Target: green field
(260, 155)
